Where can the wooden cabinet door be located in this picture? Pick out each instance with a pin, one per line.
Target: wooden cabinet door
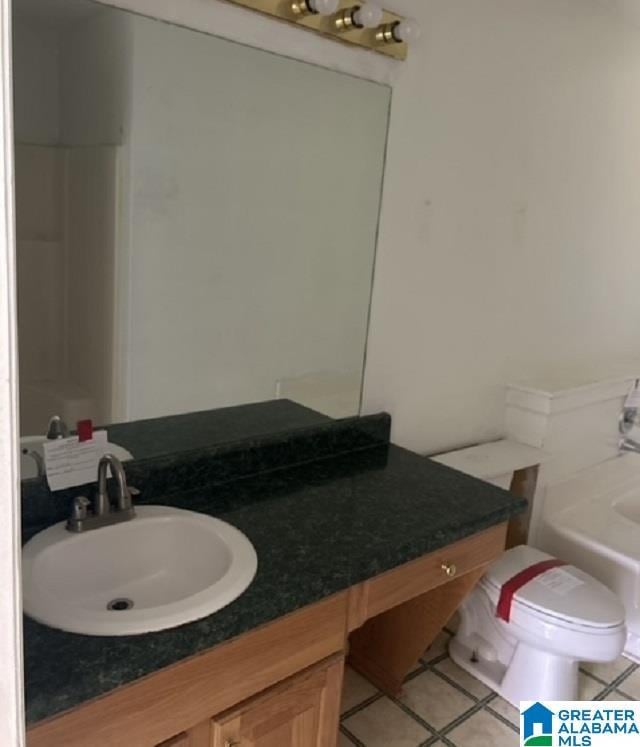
(303, 711)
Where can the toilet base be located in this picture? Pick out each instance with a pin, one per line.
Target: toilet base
(490, 673)
(531, 675)
(632, 647)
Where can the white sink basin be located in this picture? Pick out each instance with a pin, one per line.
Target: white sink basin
(29, 444)
(163, 568)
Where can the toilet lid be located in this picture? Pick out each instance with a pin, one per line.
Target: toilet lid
(565, 593)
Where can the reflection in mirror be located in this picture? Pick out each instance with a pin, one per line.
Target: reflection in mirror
(196, 220)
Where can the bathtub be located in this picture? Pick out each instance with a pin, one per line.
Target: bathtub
(593, 521)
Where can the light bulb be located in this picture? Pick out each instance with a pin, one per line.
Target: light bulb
(407, 30)
(324, 7)
(368, 15)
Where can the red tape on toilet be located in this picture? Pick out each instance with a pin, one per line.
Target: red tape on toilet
(513, 585)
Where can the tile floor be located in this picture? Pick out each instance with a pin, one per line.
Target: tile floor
(442, 705)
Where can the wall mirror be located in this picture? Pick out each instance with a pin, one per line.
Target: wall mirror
(196, 220)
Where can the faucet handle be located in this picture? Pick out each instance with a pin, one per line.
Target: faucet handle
(80, 508)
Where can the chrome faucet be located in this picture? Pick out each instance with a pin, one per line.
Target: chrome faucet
(84, 518)
(124, 501)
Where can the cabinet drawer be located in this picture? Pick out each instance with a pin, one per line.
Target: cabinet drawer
(395, 587)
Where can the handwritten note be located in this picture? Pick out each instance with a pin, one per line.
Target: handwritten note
(70, 463)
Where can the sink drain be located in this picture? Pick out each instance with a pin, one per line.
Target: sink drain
(119, 605)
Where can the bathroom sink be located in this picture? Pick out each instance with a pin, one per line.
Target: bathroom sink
(163, 568)
(32, 454)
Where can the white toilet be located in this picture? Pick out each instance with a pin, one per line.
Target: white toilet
(557, 620)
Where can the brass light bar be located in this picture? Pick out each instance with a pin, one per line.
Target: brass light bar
(286, 10)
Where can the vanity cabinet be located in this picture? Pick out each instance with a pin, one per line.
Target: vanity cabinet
(280, 685)
(303, 711)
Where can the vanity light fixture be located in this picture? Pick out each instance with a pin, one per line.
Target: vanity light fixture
(369, 15)
(407, 30)
(315, 7)
(360, 23)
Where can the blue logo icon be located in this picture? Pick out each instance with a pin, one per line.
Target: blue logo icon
(538, 726)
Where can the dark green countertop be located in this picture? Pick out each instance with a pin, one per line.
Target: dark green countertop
(172, 434)
(317, 528)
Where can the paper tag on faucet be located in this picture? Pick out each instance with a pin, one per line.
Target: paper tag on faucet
(70, 462)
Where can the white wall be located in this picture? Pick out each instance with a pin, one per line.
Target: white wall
(40, 179)
(92, 188)
(511, 212)
(39, 183)
(36, 81)
(95, 80)
(630, 9)
(66, 196)
(11, 664)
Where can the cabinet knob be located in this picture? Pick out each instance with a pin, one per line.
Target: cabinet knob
(231, 743)
(450, 569)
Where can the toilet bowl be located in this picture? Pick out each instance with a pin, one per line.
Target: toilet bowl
(557, 619)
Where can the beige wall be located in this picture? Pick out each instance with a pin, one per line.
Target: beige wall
(511, 212)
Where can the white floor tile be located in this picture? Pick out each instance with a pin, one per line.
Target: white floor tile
(435, 700)
(438, 647)
(631, 686)
(355, 690)
(588, 688)
(608, 671)
(383, 724)
(481, 730)
(506, 710)
(464, 679)
(616, 695)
